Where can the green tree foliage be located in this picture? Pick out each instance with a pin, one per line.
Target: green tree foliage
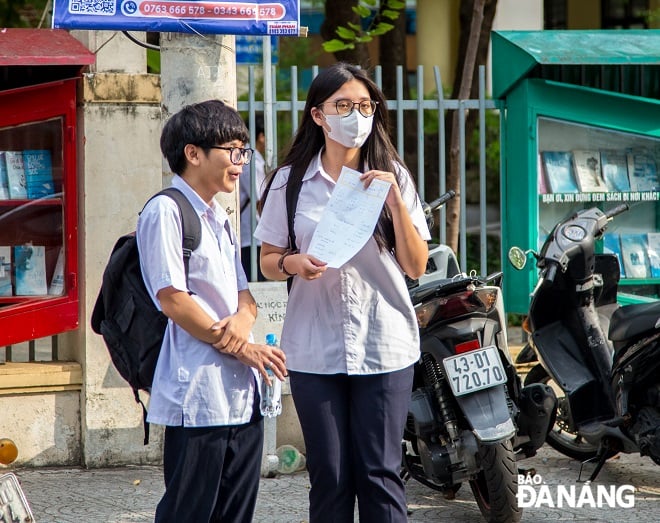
(22, 13)
(351, 34)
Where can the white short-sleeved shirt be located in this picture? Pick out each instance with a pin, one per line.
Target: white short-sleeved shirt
(195, 385)
(357, 319)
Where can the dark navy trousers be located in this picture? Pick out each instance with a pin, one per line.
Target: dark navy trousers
(353, 427)
(211, 473)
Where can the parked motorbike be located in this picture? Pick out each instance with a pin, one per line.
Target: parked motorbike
(469, 416)
(603, 359)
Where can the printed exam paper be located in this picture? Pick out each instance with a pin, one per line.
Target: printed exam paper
(349, 219)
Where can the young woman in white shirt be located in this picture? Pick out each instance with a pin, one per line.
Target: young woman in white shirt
(350, 334)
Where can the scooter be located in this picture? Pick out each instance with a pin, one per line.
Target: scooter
(603, 359)
(469, 416)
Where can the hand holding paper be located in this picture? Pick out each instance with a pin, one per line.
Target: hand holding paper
(349, 219)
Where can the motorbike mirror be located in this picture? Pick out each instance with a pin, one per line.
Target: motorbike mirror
(517, 257)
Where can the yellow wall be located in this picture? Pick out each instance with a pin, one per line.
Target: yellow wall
(438, 29)
(583, 14)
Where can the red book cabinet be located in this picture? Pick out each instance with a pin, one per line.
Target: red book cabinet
(38, 183)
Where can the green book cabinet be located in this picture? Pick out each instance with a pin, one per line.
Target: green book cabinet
(580, 128)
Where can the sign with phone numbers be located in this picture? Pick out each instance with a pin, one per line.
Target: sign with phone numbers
(259, 17)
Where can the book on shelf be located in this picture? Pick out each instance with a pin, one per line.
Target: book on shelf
(56, 287)
(558, 167)
(4, 181)
(635, 257)
(587, 171)
(5, 271)
(38, 167)
(16, 175)
(30, 270)
(612, 245)
(653, 239)
(642, 170)
(542, 185)
(614, 166)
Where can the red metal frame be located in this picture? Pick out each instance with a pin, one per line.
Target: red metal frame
(24, 318)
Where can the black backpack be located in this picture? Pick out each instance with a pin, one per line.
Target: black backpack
(124, 314)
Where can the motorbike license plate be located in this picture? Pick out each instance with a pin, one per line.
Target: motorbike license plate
(13, 505)
(474, 370)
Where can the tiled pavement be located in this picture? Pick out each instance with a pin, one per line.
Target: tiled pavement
(129, 494)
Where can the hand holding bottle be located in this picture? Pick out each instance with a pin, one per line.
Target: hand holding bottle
(271, 389)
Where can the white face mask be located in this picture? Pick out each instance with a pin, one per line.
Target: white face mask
(350, 131)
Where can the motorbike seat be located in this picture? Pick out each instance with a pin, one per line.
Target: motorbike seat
(631, 321)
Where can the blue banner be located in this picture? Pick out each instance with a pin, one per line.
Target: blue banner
(259, 17)
(249, 50)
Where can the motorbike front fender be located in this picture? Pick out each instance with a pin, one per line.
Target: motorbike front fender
(487, 413)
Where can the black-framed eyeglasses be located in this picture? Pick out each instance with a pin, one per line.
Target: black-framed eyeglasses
(345, 107)
(237, 155)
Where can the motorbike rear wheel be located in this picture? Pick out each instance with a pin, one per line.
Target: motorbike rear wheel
(563, 437)
(496, 486)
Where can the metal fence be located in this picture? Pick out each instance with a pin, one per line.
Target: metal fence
(291, 103)
(43, 349)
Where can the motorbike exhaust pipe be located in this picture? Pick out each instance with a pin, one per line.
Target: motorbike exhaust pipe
(538, 408)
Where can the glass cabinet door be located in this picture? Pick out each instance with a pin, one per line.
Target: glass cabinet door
(31, 212)
(581, 166)
(38, 212)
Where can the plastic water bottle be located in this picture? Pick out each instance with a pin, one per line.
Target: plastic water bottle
(271, 395)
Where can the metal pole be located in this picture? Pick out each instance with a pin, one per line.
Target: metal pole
(195, 68)
(269, 461)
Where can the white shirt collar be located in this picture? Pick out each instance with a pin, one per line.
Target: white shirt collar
(316, 167)
(200, 205)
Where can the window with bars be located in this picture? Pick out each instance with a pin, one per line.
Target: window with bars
(554, 14)
(624, 14)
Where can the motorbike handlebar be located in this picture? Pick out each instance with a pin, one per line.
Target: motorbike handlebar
(614, 211)
(439, 202)
(430, 208)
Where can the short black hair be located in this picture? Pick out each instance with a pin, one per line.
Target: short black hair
(203, 124)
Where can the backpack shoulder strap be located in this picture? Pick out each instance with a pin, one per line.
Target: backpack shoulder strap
(190, 224)
(292, 194)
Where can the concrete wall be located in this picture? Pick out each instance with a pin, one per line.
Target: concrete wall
(120, 165)
(45, 426)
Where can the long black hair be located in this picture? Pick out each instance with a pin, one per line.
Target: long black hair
(377, 152)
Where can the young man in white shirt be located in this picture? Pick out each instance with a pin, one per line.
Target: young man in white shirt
(205, 386)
